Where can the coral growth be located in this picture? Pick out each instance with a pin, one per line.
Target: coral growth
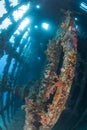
(43, 113)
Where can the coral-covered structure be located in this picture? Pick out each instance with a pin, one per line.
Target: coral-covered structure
(43, 112)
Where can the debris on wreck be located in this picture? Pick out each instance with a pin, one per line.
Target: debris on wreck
(43, 113)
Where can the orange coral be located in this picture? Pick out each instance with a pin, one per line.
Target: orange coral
(69, 70)
(59, 83)
(44, 120)
(57, 96)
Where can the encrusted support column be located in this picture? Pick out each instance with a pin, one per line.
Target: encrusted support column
(43, 113)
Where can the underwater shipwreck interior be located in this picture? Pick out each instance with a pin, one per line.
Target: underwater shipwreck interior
(43, 64)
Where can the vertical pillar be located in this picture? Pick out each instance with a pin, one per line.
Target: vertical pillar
(13, 71)
(6, 68)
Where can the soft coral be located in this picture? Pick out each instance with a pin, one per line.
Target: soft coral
(57, 84)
